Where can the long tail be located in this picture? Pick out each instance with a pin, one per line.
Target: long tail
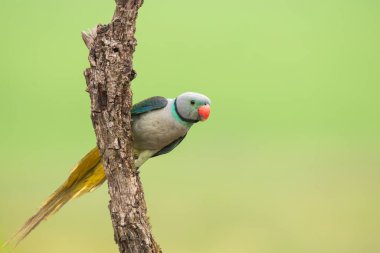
(85, 177)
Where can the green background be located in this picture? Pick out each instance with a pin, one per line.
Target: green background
(288, 161)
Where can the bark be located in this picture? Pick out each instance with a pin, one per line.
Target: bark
(108, 82)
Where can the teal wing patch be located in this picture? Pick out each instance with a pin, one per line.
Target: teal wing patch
(149, 104)
(170, 147)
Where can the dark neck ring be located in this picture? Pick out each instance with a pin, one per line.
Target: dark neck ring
(180, 116)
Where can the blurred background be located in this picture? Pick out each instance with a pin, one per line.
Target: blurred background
(288, 161)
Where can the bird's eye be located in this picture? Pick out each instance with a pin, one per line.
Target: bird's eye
(192, 102)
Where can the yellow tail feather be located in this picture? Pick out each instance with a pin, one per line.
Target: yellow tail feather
(86, 176)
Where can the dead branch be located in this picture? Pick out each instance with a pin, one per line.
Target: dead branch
(108, 83)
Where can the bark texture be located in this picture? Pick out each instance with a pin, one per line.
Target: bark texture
(108, 82)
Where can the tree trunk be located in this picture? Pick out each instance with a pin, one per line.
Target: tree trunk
(108, 82)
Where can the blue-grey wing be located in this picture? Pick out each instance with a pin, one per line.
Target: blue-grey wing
(170, 147)
(149, 104)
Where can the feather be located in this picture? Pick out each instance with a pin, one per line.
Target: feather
(170, 147)
(149, 104)
(86, 176)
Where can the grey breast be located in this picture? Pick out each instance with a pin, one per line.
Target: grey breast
(156, 129)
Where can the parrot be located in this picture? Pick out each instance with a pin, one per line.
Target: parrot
(159, 125)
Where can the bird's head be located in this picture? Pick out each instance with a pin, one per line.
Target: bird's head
(193, 107)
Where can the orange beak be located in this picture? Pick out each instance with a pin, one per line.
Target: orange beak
(204, 112)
